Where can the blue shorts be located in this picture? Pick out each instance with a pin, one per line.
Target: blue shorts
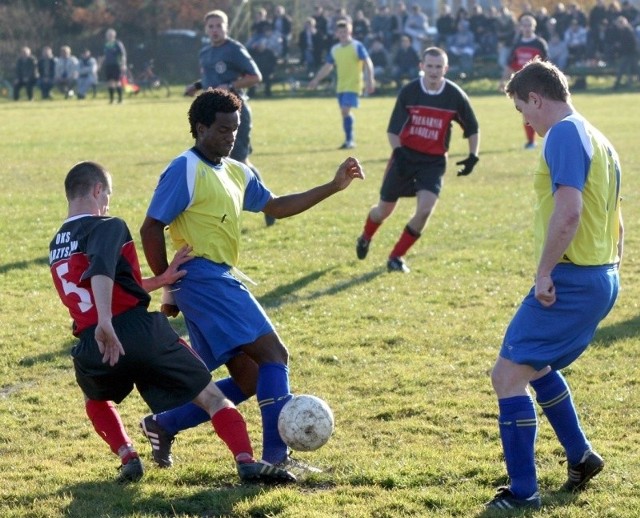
(350, 99)
(557, 335)
(220, 312)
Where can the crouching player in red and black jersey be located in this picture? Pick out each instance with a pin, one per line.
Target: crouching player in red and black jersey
(419, 133)
(95, 269)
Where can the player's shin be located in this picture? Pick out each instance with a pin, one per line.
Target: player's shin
(272, 393)
(518, 430)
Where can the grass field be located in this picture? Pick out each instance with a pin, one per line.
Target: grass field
(402, 359)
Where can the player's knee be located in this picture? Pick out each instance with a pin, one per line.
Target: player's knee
(211, 399)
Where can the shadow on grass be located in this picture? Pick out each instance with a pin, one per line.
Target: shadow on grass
(110, 499)
(21, 265)
(286, 292)
(609, 335)
(64, 351)
(550, 501)
(107, 498)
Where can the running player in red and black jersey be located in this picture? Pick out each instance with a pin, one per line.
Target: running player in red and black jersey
(95, 270)
(419, 132)
(527, 46)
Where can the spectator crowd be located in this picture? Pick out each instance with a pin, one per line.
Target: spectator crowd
(66, 73)
(608, 35)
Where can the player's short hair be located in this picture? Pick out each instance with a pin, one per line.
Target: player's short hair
(435, 52)
(530, 19)
(213, 100)
(540, 77)
(343, 24)
(217, 13)
(82, 178)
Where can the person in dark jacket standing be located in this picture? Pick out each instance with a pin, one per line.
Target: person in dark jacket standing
(26, 74)
(626, 49)
(47, 72)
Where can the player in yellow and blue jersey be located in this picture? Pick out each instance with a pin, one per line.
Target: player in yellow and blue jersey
(578, 242)
(201, 196)
(351, 59)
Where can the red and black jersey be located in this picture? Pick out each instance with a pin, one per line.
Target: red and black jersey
(94, 245)
(525, 50)
(423, 120)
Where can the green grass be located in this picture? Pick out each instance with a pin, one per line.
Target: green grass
(402, 360)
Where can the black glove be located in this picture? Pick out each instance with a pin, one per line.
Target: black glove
(468, 163)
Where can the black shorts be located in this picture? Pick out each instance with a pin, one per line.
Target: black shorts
(409, 172)
(165, 370)
(112, 72)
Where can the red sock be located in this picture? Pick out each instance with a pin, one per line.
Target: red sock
(107, 423)
(232, 429)
(531, 133)
(370, 228)
(127, 452)
(407, 238)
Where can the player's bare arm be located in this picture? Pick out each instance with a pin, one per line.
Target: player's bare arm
(324, 71)
(369, 76)
(620, 239)
(108, 343)
(246, 81)
(563, 225)
(154, 245)
(292, 204)
(155, 251)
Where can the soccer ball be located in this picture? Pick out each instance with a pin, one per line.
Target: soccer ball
(305, 423)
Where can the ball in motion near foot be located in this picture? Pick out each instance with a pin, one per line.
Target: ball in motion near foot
(305, 423)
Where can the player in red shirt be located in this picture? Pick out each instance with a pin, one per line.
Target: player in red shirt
(95, 270)
(527, 46)
(419, 132)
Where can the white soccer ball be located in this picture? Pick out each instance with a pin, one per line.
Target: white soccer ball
(305, 423)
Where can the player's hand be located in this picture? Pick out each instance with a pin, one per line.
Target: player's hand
(545, 291)
(170, 310)
(190, 90)
(108, 343)
(172, 275)
(168, 304)
(467, 164)
(347, 172)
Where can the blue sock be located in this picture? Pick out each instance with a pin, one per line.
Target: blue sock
(182, 418)
(347, 124)
(518, 430)
(231, 390)
(191, 415)
(554, 396)
(272, 393)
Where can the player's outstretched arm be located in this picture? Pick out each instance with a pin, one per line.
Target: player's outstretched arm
(292, 204)
(324, 71)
